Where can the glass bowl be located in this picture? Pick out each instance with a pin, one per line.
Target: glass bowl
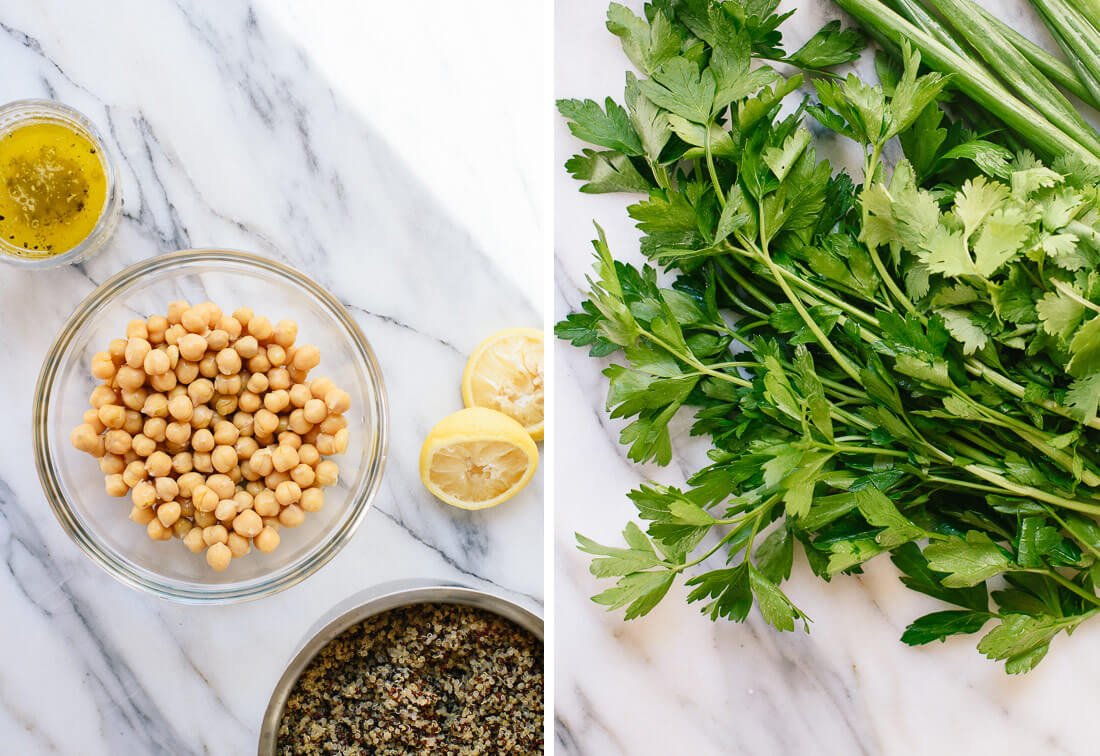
(73, 482)
(23, 112)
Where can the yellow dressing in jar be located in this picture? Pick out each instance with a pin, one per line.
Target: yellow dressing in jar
(53, 187)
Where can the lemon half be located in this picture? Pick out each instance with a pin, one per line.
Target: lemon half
(477, 458)
(505, 373)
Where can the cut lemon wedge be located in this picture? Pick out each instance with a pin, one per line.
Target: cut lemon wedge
(477, 458)
(505, 373)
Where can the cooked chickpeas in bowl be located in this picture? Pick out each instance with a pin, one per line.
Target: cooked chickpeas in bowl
(190, 421)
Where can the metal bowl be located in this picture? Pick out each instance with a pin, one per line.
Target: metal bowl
(369, 603)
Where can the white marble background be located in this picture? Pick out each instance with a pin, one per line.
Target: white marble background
(395, 152)
(674, 682)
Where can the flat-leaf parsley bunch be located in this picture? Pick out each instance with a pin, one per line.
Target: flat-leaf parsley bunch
(907, 366)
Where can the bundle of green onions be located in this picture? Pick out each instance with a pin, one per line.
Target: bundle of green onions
(1003, 72)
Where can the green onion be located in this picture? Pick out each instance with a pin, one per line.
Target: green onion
(1077, 37)
(972, 80)
(1056, 70)
(1015, 70)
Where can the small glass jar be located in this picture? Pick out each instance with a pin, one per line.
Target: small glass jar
(21, 113)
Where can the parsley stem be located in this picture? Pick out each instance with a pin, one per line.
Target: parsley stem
(872, 450)
(710, 167)
(1066, 583)
(695, 363)
(1031, 492)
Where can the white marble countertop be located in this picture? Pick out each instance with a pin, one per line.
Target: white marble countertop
(674, 682)
(372, 146)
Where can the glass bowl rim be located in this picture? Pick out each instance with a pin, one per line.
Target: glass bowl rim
(360, 500)
(112, 204)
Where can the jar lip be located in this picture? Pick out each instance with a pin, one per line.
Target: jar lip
(19, 112)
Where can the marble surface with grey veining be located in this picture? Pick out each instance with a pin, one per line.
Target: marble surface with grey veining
(370, 146)
(676, 683)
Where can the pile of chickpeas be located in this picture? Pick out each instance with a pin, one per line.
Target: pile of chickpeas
(208, 422)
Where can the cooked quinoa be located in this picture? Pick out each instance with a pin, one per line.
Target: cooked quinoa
(428, 678)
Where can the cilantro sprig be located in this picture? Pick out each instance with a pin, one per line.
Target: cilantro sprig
(910, 365)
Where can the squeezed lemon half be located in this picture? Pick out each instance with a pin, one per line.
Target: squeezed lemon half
(505, 373)
(477, 458)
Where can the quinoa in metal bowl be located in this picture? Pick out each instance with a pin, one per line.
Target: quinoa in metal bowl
(427, 678)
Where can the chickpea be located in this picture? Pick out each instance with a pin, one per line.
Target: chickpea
(319, 387)
(164, 382)
(194, 319)
(218, 556)
(158, 464)
(265, 504)
(213, 313)
(277, 401)
(135, 400)
(291, 439)
(286, 331)
(143, 445)
(112, 416)
(248, 524)
(298, 376)
(222, 485)
(260, 363)
(313, 499)
(215, 534)
(177, 433)
(297, 422)
(111, 464)
(288, 492)
(249, 402)
(337, 401)
(168, 513)
(208, 366)
(306, 358)
(134, 473)
(262, 462)
(141, 516)
(156, 530)
(181, 408)
(129, 378)
(243, 315)
(247, 347)
(174, 333)
(267, 540)
(228, 384)
(103, 394)
(260, 327)
(186, 372)
(143, 495)
(156, 362)
(326, 444)
(155, 405)
(115, 485)
(182, 463)
(278, 378)
(292, 516)
(314, 411)
(103, 367)
(188, 482)
(225, 405)
(200, 391)
(176, 310)
(117, 349)
(340, 441)
(284, 458)
(272, 522)
(253, 487)
(202, 418)
(327, 473)
(265, 422)
(167, 489)
(229, 362)
(155, 429)
(155, 326)
(193, 540)
(238, 545)
(136, 329)
(202, 440)
(192, 347)
(334, 423)
(231, 326)
(225, 432)
(204, 498)
(245, 447)
(116, 441)
(303, 475)
(276, 355)
(226, 510)
(257, 383)
(202, 462)
(136, 350)
(91, 417)
(217, 340)
(204, 519)
(224, 458)
(181, 527)
(133, 423)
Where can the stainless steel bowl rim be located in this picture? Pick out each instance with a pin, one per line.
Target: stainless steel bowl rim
(45, 465)
(372, 602)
